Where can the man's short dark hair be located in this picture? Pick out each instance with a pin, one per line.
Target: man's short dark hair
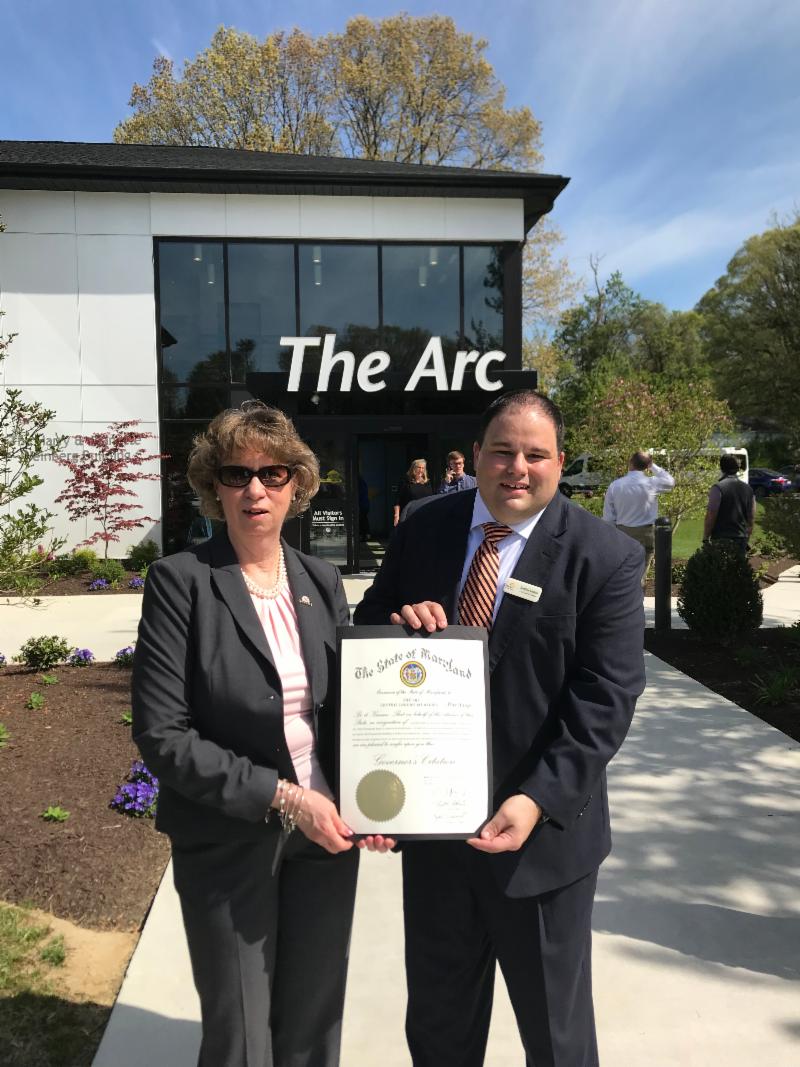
(640, 461)
(729, 464)
(524, 398)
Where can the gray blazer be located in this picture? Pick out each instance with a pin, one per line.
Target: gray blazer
(207, 697)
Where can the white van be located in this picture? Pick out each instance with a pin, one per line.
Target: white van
(582, 475)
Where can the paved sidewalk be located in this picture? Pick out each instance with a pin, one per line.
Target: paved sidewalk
(108, 623)
(697, 919)
(696, 924)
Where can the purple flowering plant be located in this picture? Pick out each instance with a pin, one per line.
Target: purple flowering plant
(136, 583)
(124, 658)
(99, 583)
(80, 657)
(2, 660)
(138, 796)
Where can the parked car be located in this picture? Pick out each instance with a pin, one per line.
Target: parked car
(766, 482)
(792, 472)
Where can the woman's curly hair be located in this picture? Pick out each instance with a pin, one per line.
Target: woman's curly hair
(261, 428)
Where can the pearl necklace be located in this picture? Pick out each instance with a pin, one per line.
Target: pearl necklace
(274, 590)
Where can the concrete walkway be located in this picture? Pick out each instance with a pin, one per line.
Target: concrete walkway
(697, 919)
(106, 624)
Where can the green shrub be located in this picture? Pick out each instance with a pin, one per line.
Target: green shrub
(143, 554)
(86, 555)
(110, 570)
(66, 566)
(767, 545)
(35, 702)
(720, 599)
(678, 571)
(25, 584)
(780, 520)
(42, 653)
(5, 736)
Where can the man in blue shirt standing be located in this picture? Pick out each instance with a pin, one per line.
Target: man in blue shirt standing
(454, 477)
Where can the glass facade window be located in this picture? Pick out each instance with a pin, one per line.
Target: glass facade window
(192, 301)
(224, 306)
(339, 294)
(262, 305)
(483, 298)
(420, 300)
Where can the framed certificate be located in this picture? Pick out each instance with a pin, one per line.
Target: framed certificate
(414, 745)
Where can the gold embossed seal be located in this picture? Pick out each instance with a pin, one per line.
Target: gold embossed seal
(380, 795)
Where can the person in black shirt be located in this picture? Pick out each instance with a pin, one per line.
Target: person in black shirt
(731, 508)
(415, 486)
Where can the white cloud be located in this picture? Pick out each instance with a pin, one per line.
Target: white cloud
(161, 49)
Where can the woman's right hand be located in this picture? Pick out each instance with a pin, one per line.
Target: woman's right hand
(321, 823)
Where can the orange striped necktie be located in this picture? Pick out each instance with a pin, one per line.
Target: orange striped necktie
(476, 606)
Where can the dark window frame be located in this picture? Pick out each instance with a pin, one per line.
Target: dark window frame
(510, 252)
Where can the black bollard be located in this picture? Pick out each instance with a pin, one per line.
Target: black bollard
(663, 619)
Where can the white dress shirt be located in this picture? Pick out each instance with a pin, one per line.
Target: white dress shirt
(509, 549)
(632, 500)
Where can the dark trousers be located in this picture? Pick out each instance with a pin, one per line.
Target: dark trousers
(268, 939)
(741, 544)
(458, 924)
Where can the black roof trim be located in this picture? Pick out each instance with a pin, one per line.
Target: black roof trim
(64, 165)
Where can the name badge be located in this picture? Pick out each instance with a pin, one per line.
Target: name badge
(524, 590)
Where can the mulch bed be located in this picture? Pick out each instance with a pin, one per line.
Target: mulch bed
(98, 868)
(77, 586)
(733, 671)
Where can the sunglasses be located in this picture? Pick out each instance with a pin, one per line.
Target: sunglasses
(272, 477)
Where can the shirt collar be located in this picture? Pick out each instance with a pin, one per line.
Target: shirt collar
(481, 514)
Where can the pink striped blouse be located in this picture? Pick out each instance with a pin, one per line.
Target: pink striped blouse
(279, 621)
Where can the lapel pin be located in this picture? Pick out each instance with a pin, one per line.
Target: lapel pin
(305, 600)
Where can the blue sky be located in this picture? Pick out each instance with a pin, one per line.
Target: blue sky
(677, 121)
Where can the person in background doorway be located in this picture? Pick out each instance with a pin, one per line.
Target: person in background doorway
(631, 501)
(455, 479)
(415, 486)
(731, 508)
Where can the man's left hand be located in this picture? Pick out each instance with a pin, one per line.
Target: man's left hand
(510, 826)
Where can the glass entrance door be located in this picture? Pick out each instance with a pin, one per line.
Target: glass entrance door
(381, 465)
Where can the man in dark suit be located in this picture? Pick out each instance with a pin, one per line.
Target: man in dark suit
(566, 631)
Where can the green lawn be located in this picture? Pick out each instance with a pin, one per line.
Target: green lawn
(687, 538)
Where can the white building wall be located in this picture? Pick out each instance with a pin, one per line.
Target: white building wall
(77, 285)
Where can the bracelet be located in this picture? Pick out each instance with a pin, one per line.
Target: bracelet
(279, 795)
(290, 811)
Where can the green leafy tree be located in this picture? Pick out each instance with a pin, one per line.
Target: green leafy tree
(615, 333)
(674, 417)
(25, 529)
(413, 90)
(751, 327)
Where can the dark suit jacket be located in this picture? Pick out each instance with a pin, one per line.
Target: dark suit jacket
(565, 671)
(207, 698)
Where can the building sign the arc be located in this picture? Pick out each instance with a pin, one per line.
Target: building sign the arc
(369, 372)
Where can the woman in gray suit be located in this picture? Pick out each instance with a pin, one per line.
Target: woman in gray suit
(233, 712)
